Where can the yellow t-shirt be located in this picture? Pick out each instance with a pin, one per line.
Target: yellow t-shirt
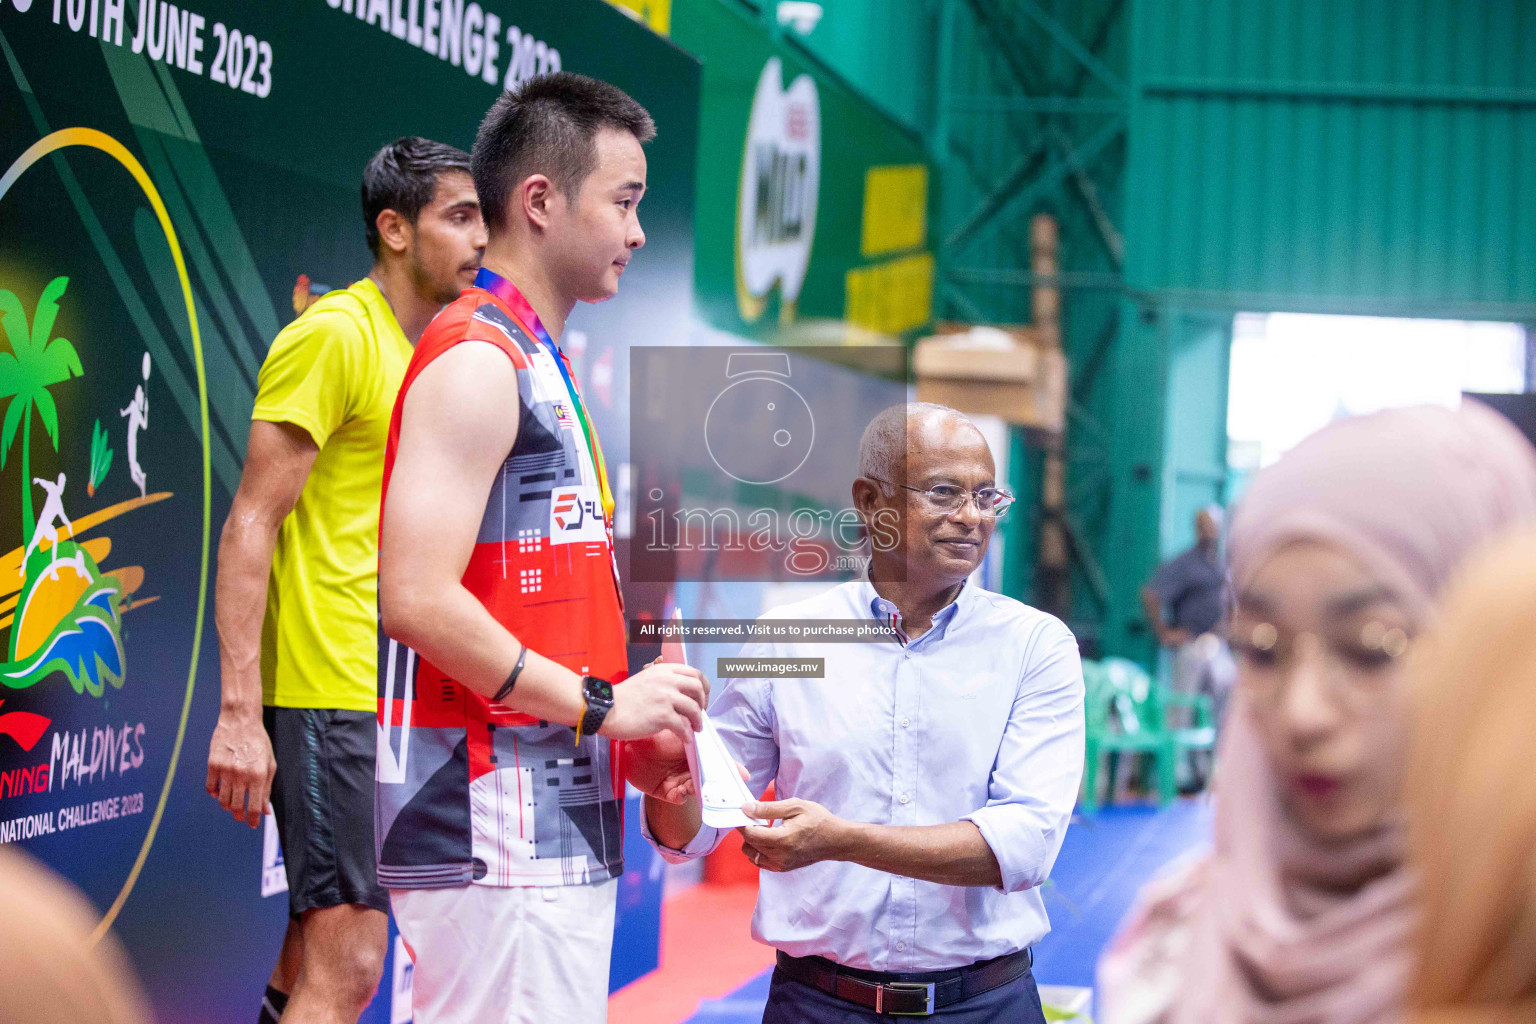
(334, 372)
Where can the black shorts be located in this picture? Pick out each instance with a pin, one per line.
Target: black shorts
(322, 798)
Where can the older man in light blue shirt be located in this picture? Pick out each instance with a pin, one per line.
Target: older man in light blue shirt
(925, 784)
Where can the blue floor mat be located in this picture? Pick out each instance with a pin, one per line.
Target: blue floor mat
(1104, 862)
(744, 1006)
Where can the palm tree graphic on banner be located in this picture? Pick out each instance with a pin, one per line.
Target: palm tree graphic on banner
(68, 614)
(34, 364)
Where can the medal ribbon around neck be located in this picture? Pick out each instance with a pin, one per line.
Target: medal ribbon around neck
(507, 292)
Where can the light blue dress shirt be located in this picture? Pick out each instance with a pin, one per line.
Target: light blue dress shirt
(979, 719)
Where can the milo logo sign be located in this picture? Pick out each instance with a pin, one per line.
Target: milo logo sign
(776, 205)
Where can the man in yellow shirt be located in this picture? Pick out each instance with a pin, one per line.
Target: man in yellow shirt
(297, 586)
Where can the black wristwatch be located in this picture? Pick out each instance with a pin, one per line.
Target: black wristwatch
(598, 693)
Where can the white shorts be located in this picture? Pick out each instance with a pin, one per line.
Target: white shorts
(499, 955)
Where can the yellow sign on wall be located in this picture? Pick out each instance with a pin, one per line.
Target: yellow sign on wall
(891, 297)
(655, 13)
(895, 209)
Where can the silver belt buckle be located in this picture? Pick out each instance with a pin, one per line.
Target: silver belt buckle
(905, 986)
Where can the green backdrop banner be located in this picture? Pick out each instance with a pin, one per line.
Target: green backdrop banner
(175, 180)
(811, 203)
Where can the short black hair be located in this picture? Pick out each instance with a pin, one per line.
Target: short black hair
(402, 177)
(548, 126)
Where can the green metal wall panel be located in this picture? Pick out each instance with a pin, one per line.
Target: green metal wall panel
(1170, 378)
(884, 49)
(1371, 156)
(1195, 469)
(1298, 154)
(1138, 377)
(1028, 119)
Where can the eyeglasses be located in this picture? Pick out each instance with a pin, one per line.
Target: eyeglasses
(947, 499)
(1355, 664)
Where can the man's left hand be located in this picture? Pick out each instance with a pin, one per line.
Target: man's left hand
(807, 833)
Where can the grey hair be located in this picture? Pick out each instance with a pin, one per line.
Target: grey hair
(883, 446)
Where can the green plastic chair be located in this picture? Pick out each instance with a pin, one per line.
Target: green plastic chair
(1201, 735)
(1126, 713)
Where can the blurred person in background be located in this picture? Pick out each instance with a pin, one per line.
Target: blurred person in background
(1471, 797)
(1184, 603)
(51, 972)
(1183, 598)
(1303, 913)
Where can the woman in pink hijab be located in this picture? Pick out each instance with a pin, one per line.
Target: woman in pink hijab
(1303, 912)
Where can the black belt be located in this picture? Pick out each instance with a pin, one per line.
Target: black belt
(905, 995)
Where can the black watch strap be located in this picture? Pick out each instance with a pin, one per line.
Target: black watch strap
(517, 670)
(597, 705)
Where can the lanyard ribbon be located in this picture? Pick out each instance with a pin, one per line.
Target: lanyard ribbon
(507, 292)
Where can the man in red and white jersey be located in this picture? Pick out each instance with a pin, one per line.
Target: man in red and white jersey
(498, 796)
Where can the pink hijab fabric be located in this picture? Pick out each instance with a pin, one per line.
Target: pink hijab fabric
(1292, 930)
(1409, 491)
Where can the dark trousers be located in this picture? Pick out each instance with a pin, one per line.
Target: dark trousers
(790, 1002)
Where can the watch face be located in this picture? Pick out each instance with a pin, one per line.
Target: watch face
(600, 689)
